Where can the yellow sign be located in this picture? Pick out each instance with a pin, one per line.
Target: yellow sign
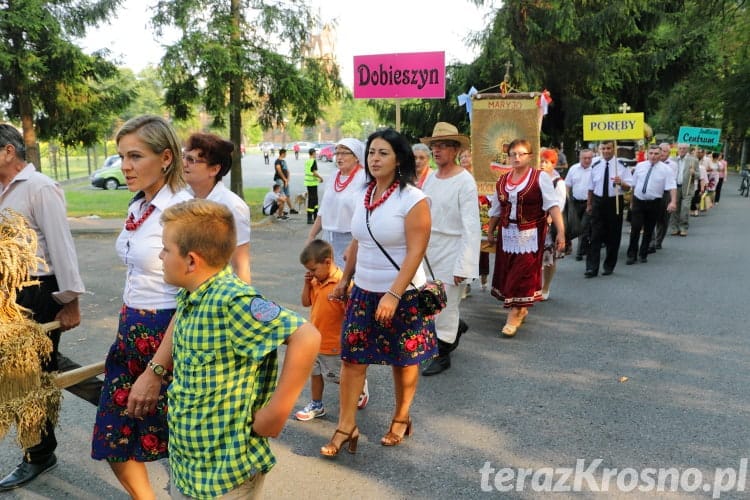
(612, 127)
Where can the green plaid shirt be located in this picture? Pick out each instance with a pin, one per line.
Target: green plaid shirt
(225, 339)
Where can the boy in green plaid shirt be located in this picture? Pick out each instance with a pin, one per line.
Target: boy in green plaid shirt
(222, 402)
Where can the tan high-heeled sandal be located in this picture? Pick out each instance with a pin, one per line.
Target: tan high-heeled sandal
(393, 439)
(331, 450)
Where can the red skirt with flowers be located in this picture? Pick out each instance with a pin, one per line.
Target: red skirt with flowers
(117, 437)
(408, 339)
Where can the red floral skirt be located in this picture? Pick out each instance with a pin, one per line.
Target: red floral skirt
(408, 339)
(118, 437)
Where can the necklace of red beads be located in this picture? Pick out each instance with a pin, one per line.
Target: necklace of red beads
(131, 224)
(371, 189)
(512, 185)
(339, 186)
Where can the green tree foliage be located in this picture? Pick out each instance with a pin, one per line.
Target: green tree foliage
(234, 56)
(46, 82)
(678, 61)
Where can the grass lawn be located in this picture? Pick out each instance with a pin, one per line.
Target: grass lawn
(84, 200)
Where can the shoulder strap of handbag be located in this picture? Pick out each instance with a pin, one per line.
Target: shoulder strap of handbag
(367, 221)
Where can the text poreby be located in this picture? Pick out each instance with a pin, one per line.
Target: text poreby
(613, 126)
(595, 479)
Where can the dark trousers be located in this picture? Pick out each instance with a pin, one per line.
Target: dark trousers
(696, 200)
(717, 197)
(312, 202)
(644, 215)
(662, 221)
(484, 263)
(606, 228)
(38, 299)
(584, 239)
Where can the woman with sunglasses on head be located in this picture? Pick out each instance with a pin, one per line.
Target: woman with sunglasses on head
(128, 434)
(340, 197)
(207, 159)
(525, 196)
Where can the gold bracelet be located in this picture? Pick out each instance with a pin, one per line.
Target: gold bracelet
(393, 294)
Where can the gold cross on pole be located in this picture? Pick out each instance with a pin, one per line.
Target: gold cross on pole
(624, 107)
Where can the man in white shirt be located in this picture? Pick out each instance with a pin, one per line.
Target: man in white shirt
(662, 222)
(577, 181)
(651, 178)
(274, 203)
(609, 176)
(453, 250)
(42, 203)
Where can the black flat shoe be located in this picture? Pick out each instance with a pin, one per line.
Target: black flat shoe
(26, 472)
(437, 365)
(607, 272)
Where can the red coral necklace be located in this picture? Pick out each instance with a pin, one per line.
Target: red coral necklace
(339, 186)
(368, 195)
(131, 224)
(512, 185)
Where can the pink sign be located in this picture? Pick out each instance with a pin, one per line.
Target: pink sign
(419, 75)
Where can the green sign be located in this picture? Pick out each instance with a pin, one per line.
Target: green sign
(707, 137)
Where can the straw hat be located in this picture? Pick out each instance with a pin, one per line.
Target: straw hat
(446, 132)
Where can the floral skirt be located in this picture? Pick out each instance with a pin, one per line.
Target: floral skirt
(408, 339)
(118, 437)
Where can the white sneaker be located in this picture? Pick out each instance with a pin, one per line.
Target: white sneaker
(311, 411)
(364, 398)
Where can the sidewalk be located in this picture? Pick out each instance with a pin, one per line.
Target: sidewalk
(93, 224)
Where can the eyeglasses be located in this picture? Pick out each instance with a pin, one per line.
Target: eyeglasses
(192, 161)
(517, 154)
(343, 153)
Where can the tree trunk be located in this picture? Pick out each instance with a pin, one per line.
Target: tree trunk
(27, 124)
(235, 105)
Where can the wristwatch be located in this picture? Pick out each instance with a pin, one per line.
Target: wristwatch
(158, 369)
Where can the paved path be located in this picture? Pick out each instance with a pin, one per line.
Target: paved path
(644, 368)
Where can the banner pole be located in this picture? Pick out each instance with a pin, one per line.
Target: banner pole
(398, 115)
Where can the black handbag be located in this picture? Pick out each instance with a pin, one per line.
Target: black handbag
(432, 296)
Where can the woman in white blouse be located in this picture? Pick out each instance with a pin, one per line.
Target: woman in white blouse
(341, 196)
(152, 165)
(207, 159)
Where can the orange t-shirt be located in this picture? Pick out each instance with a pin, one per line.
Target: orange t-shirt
(327, 315)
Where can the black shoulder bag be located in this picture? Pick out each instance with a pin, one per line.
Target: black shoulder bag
(432, 296)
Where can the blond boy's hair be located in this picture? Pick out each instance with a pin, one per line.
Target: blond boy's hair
(204, 227)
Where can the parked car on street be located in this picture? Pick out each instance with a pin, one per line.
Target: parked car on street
(109, 176)
(326, 153)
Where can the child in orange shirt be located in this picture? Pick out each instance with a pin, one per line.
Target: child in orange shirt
(327, 315)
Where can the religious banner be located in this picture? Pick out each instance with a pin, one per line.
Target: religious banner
(496, 120)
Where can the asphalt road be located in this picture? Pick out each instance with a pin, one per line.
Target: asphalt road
(647, 368)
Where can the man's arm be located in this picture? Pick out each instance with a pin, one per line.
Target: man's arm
(302, 348)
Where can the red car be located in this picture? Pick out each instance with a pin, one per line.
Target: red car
(326, 153)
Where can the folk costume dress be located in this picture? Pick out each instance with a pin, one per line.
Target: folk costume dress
(409, 338)
(148, 306)
(522, 208)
